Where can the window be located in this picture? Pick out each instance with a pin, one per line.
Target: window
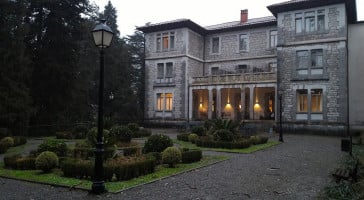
(242, 69)
(273, 39)
(299, 23)
(165, 41)
(164, 70)
(215, 45)
(243, 42)
(169, 70)
(272, 67)
(316, 100)
(302, 101)
(214, 71)
(316, 58)
(164, 101)
(302, 59)
(321, 20)
(309, 22)
(160, 73)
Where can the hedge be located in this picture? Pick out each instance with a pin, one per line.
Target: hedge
(129, 151)
(191, 156)
(142, 132)
(183, 137)
(86, 153)
(225, 145)
(19, 162)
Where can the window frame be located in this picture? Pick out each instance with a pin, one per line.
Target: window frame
(164, 102)
(302, 101)
(165, 37)
(303, 20)
(216, 38)
(275, 37)
(319, 101)
(245, 38)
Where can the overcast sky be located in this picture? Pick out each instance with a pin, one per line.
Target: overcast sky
(132, 13)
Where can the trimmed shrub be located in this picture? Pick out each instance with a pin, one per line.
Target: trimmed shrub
(92, 137)
(64, 135)
(191, 156)
(126, 170)
(223, 135)
(3, 147)
(134, 127)
(183, 137)
(157, 143)
(77, 168)
(258, 140)
(225, 145)
(129, 151)
(199, 130)
(192, 138)
(157, 156)
(171, 156)
(142, 132)
(9, 141)
(80, 132)
(121, 133)
(46, 161)
(25, 163)
(19, 140)
(56, 146)
(88, 152)
(10, 160)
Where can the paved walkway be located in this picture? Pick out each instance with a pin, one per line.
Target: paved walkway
(296, 169)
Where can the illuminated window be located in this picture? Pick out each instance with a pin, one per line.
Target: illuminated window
(164, 102)
(302, 101)
(316, 100)
(273, 39)
(243, 42)
(165, 41)
(215, 45)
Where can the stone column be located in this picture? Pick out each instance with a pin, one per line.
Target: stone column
(242, 102)
(218, 102)
(251, 105)
(190, 106)
(209, 109)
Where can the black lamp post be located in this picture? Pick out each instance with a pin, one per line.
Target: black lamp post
(280, 118)
(102, 35)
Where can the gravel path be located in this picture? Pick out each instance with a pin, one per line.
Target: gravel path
(296, 169)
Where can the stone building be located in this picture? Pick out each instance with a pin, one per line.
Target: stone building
(237, 70)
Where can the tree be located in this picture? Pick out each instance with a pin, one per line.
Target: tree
(15, 98)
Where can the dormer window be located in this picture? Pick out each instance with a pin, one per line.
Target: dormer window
(165, 41)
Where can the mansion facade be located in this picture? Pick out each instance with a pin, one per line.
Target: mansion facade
(238, 70)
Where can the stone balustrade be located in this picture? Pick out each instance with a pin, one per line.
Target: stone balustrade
(262, 77)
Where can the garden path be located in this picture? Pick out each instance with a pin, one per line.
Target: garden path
(297, 169)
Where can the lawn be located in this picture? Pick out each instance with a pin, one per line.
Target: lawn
(250, 149)
(56, 179)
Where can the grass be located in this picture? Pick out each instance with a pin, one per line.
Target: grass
(250, 149)
(56, 179)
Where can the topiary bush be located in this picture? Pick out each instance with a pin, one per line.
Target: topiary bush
(121, 133)
(134, 127)
(46, 161)
(80, 132)
(191, 156)
(142, 132)
(9, 141)
(57, 146)
(19, 140)
(199, 130)
(157, 156)
(183, 137)
(258, 140)
(223, 135)
(157, 143)
(171, 156)
(192, 138)
(92, 137)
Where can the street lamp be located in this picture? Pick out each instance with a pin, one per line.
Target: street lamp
(280, 117)
(102, 35)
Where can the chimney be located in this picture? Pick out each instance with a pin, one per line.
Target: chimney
(244, 16)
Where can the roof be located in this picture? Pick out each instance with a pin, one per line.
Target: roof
(224, 27)
(306, 4)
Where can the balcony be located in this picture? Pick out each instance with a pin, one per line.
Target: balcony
(164, 82)
(261, 77)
